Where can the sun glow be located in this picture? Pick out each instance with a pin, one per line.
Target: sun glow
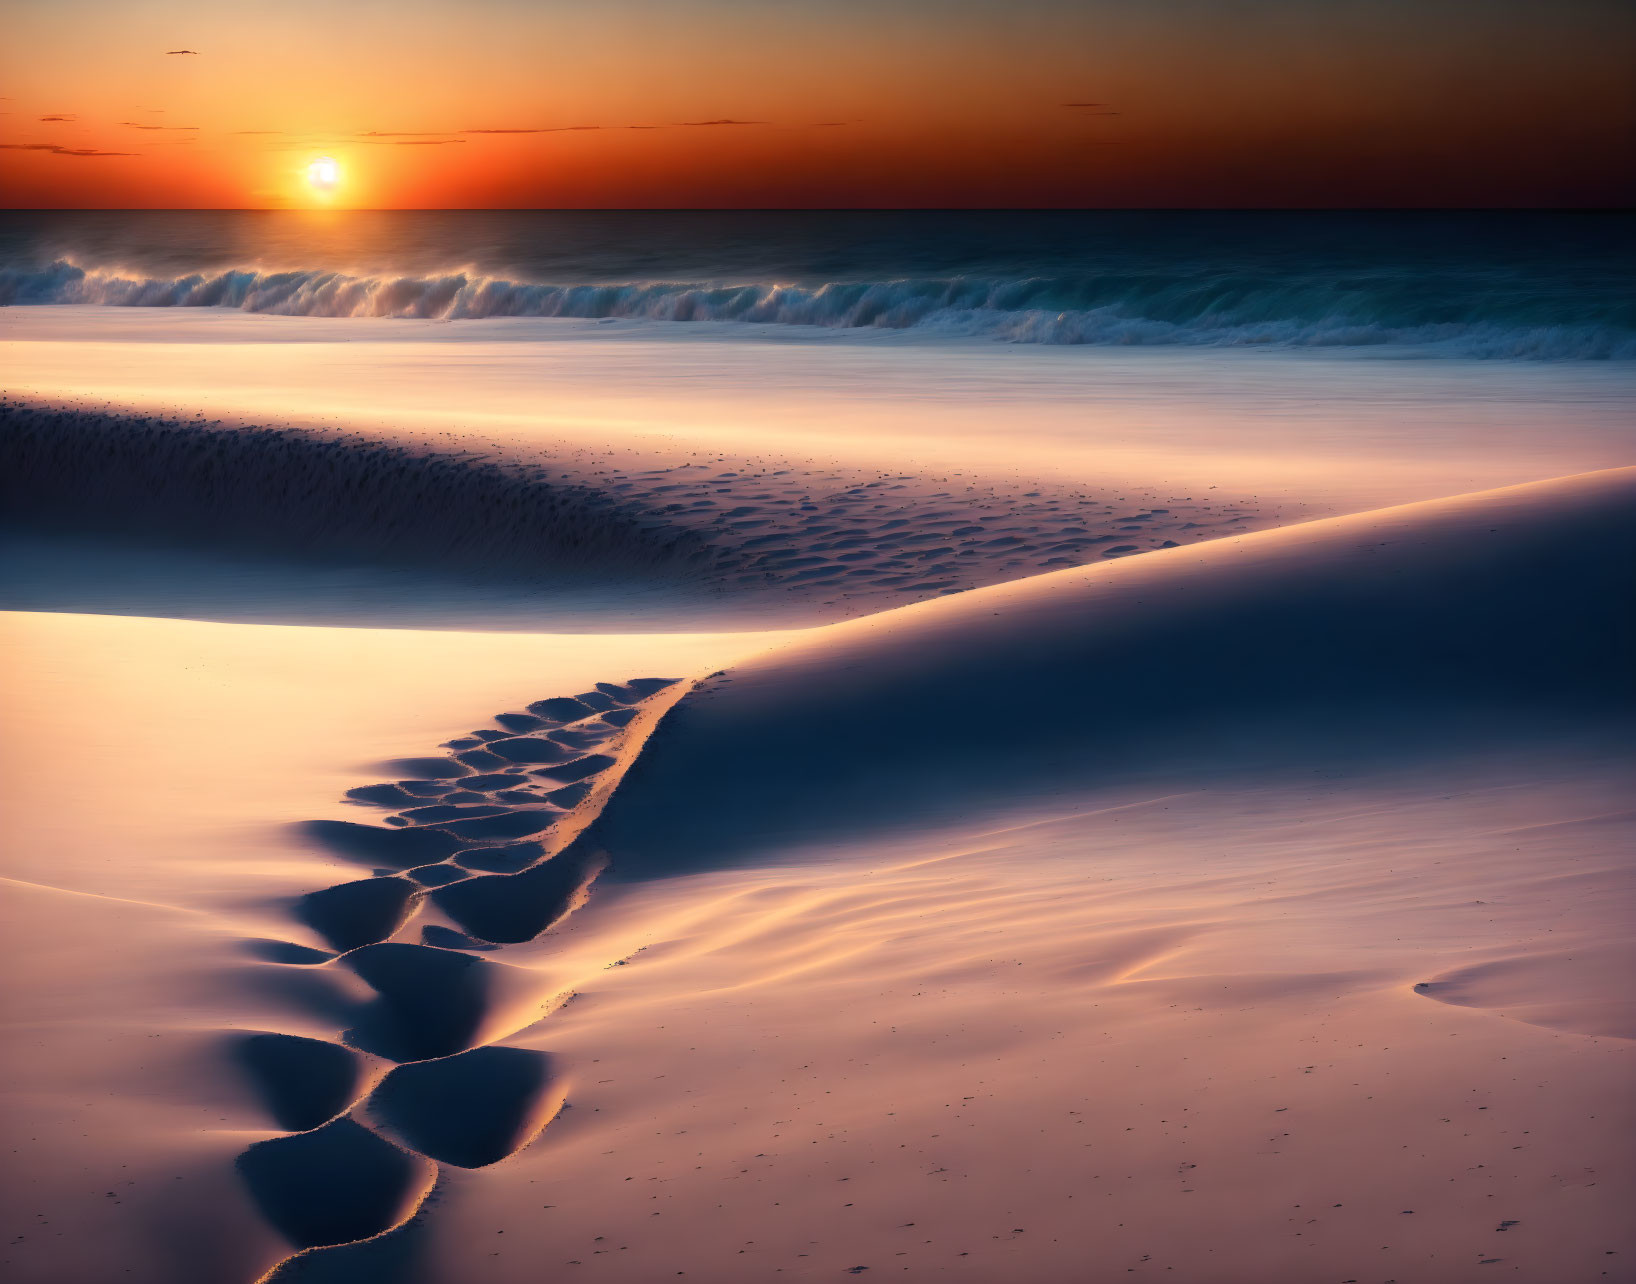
(324, 174)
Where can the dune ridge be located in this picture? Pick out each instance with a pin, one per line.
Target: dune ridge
(802, 535)
(308, 496)
(1398, 632)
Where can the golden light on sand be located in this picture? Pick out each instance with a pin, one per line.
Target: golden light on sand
(324, 174)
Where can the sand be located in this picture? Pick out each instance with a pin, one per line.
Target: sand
(1250, 909)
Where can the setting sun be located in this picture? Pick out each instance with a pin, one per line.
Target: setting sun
(324, 174)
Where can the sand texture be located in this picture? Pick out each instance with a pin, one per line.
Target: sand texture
(1255, 910)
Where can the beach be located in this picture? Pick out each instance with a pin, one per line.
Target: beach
(623, 797)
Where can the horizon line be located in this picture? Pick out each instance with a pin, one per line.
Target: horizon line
(821, 209)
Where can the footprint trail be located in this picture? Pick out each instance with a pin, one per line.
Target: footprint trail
(419, 1080)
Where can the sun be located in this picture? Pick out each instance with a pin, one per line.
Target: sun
(324, 174)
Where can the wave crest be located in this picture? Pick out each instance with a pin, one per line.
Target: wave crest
(1219, 310)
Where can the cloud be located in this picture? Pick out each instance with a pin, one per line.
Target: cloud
(57, 150)
(171, 53)
(404, 133)
(135, 125)
(427, 142)
(551, 129)
(52, 118)
(577, 129)
(246, 132)
(829, 124)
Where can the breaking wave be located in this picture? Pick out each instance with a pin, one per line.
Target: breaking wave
(1223, 309)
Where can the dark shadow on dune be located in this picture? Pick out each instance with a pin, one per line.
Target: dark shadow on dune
(313, 497)
(469, 1110)
(500, 860)
(360, 913)
(579, 769)
(1430, 629)
(397, 1257)
(377, 845)
(508, 824)
(287, 952)
(430, 767)
(303, 1082)
(430, 1002)
(438, 875)
(508, 908)
(446, 938)
(530, 750)
(311, 991)
(334, 1185)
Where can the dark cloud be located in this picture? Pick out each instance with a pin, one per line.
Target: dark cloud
(56, 150)
(48, 119)
(171, 53)
(404, 133)
(131, 124)
(427, 142)
(578, 129)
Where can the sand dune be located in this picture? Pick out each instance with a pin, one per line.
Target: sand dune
(1391, 633)
(157, 514)
(1101, 909)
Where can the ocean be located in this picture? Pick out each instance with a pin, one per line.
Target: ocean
(1489, 285)
(507, 419)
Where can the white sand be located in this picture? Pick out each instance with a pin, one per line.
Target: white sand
(1245, 912)
(1339, 432)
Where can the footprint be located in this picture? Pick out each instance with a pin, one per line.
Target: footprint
(437, 875)
(430, 1002)
(560, 709)
(360, 913)
(509, 824)
(385, 796)
(568, 772)
(469, 1110)
(518, 722)
(529, 749)
(424, 768)
(342, 1194)
(303, 1082)
(500, 860)
(286, 952)
(334, 1185)
(372, 845)
(507, 908)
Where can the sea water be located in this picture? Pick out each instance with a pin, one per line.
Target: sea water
(1474, 284)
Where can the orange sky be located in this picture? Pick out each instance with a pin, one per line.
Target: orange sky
(841, 102)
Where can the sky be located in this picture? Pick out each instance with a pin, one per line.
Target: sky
(818, 103)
